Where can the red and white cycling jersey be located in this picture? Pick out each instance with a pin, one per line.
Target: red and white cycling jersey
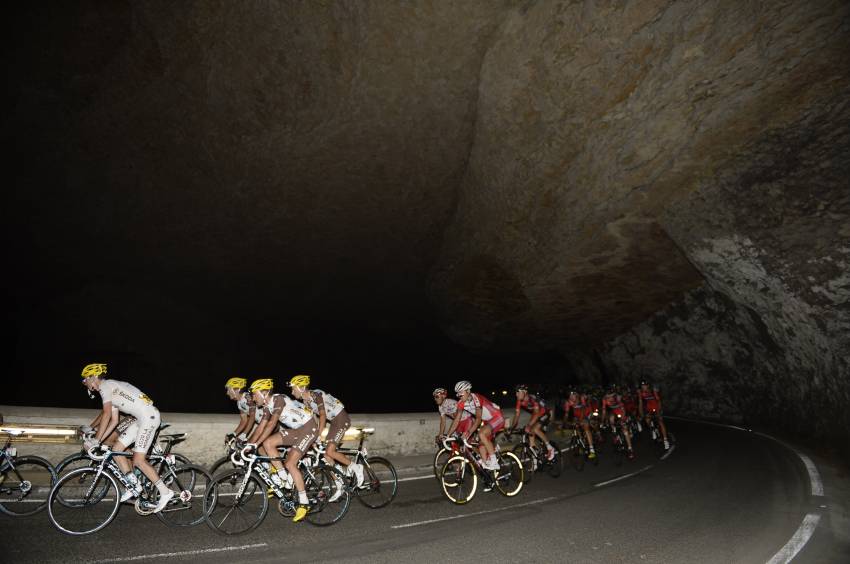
(449, 409)
(289, 412)
(614, 403)
(488, 408)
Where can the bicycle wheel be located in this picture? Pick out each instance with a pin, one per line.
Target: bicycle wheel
(321, 487)
(380, 483)
(223, 464)
(527, 459)
(459, 480)
(509, 479)
(72, 462)
(25, 485)
(186, 508)
(234, 509)
(556, 466)
(576, 454)
(440, 460)
(90, 501)
(619, 449)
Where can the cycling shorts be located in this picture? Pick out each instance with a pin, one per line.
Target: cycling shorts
(148, 426)
(128, 435)
(339, 425)
(496, 423)
(301, 438)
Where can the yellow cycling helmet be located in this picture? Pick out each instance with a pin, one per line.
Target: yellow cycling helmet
(236, 383)
(95, 369)
(302, 381)
(262, 384)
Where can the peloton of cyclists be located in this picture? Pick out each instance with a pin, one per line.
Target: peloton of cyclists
(539, 417)
(121, 397)
(486, 415)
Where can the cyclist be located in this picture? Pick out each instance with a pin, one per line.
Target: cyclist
(649, 404)
(486, 415)
(329, 409)
(298, 429)
(615, 414)
(126, 430)
(447, 408)
(630, 405)
(578, 406)
(245, 404)
(120, 397)
(539, 417)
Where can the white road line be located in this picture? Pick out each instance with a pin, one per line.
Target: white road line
(796, 543)
(669, 452)
(181, 553)
(623, 477)
(463, 515)
(416, 478)
(807, 528)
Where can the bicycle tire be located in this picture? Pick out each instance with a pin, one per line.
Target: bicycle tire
(186, 509)
(79, 505)
(382, 478)
(324, 513)
(577, 454)
(459, 472)
(527, 459)
(619, 449)
(224, 507)
(510, 479)
(555, 467)
(440, 460)
(70, 463)
(223, 464)
(29, 484)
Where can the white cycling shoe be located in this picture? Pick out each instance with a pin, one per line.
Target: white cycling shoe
(357, 469)
(163, 501)
(129, 494)
(340, 487)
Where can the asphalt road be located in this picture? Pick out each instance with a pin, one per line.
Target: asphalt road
(721, 496)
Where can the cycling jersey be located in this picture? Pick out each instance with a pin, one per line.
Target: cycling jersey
(475, 401)
(449, 409)
(531, 404)
(580, 408)
(128, 399)
(629, 403)
(245, 403)
(614, 404)
(318, 400)
(650, 399)
(289, 412)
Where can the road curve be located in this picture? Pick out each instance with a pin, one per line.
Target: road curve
(722, 496)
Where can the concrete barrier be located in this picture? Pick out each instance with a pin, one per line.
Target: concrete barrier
(395, 433)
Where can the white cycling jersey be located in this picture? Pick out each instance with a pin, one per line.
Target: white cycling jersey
(319, 398)
(245, 403)
(289, 412)
(127, 398)
(449, 409)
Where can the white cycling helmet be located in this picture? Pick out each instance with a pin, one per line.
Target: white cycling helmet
(463, 386)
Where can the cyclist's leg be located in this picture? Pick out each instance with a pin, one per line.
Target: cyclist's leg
(484, 435)
(585, 425)
(148, 426)
(270, 445)
(336, 434)
(661, 425)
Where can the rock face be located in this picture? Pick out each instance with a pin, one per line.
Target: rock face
(545, 175)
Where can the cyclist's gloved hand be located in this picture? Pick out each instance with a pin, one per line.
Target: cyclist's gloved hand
(527, 429)
(242, 437)
(86, 429)
(250, 447)
(90, 443)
